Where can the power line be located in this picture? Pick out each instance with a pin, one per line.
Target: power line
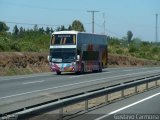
(108, 31)
(32, 24)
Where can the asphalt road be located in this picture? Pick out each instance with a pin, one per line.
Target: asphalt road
(144, 106)
(21, 91)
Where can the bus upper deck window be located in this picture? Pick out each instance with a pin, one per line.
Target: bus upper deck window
(53, 40)
(74, 39)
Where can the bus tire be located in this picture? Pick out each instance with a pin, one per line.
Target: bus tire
(82, 69)
(58, 73)
(100, 68)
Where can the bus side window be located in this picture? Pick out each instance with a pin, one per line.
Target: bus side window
(64, 40)
(53, 40)
(61, 41)
(69, 41)
(74, 39)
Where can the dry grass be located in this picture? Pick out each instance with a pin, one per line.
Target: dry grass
(22, 63)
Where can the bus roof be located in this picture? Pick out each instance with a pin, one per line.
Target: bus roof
(66, 32)
(73, 32)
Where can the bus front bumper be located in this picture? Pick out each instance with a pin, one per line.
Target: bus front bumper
(63, 67)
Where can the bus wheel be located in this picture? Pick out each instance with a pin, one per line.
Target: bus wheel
(82, 69)
(58, 73)
(100, 68)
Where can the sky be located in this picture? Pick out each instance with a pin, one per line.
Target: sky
(119, 15)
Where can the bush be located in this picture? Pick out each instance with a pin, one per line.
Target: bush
(15, 46)
(32, 48)
(119, 51)
(155, 50)
(113, 41)
(4, 44)
(133, 49)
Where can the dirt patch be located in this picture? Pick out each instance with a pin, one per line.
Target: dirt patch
(23, 63)
(13, 63)
(120, 60)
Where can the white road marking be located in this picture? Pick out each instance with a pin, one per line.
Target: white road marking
(76, 76)
(143, 68)
(28, 76)
(73, 84)
(125, 107)
(127, 70)
(32, 82)
(48, 89)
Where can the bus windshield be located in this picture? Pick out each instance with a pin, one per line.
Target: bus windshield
(63, 39)
(63, 55)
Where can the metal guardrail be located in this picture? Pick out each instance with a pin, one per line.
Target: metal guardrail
(26, 113)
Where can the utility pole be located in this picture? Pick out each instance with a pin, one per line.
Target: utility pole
(104, 23)
(92, 11)
(156, 27)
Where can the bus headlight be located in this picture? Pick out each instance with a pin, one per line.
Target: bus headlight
(74, 63)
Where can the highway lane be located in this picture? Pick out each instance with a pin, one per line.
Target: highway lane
(41, 86)
(138, 107)
(24, 85)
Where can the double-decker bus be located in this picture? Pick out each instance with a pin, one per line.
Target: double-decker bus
(73, 51)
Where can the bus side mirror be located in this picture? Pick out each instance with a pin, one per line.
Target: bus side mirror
(78, 57)
(49, 58)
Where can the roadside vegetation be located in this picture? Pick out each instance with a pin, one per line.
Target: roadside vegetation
(37, 39)
(135, 48)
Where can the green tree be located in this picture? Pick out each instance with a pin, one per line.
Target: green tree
(137, 42)
(47, 30)
(61, 28)
(78, 26)
(3, 27)
(58, 28)
(41, 30)
(21, 31)
(15, 30)
(70, 27)
(129, 36)
(35, 28)
(52, 30)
